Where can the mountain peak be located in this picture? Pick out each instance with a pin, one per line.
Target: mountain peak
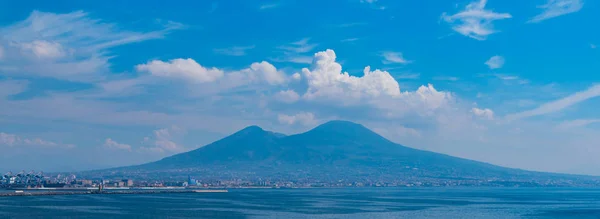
(252, 128)
(341, 126)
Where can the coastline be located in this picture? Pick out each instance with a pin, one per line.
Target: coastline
(54, 192)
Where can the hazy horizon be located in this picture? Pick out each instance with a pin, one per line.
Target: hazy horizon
(89, 85)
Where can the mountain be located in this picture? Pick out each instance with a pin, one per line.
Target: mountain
(336, 150)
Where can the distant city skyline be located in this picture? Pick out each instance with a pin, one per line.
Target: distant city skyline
(90, 85)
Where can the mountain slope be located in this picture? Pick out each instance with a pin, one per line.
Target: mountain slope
(332, 151)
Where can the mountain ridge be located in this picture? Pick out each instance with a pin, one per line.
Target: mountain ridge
(333, 150)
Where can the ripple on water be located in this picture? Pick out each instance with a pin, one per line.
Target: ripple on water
(84, 209)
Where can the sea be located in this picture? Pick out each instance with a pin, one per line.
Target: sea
(316, 203)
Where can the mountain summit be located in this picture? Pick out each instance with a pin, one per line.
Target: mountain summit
(336, 150)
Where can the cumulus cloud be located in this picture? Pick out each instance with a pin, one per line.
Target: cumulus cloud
(475, 21)
(303, 118)
(287, 96)
(109, 143)
(12, 140)
(327, 84)
(326, 79)
(189, 70)
(394, 58)
(555, 8)
(495, 62)
(186, 69)
(69, 46)
(262, 71)
(558, 105)
(163, 141)
(483, 113)
(297, 76)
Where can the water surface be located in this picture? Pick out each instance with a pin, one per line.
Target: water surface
(318, 203)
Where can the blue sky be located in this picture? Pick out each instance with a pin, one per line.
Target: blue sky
(94, 84)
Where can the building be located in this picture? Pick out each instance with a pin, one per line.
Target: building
(191, 181)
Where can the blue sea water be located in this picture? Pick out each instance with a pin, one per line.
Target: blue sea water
(380, 203)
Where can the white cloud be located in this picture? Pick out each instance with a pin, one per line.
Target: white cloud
(349, 40)
(394, 57)
(297, 76)
(268, 6)
(483, 113)
(186, 69)
(45, 50)
(555, 8)
(495, 62)
(259, 71)
(163, 141)
(69, 46)
(287, 96)
(328, 84)
(577, 123)
(446, 78)
(301, 46)
(234, 51)
(373, 3)
(8, 139)
(109, 143)
(12, 87)
(303, 118)
(408, 76)
(558, 105)
(12, 140)
(475, 21)
(326, 79)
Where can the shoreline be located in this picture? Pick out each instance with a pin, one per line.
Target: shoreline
(105, 192)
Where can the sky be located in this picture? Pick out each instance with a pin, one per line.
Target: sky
(96, 84)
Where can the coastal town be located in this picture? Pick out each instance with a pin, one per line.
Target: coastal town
(71, 181)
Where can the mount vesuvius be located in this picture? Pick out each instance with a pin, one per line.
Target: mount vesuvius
(332, 152)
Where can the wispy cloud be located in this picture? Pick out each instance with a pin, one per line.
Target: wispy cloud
(577, 123)
(300, 46)
(593, 46)
(268, 6)
(475, 21)
(408, 76)
(353, 24)
(495, 62)
(560, 104)
(373, 4)
(555, 8)
(111, 144)
(506, 77)
(295, 52)
(70, 46)
(349, 40)
(394, 57)
(234, 51)
(446, 78)
(12, 140)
